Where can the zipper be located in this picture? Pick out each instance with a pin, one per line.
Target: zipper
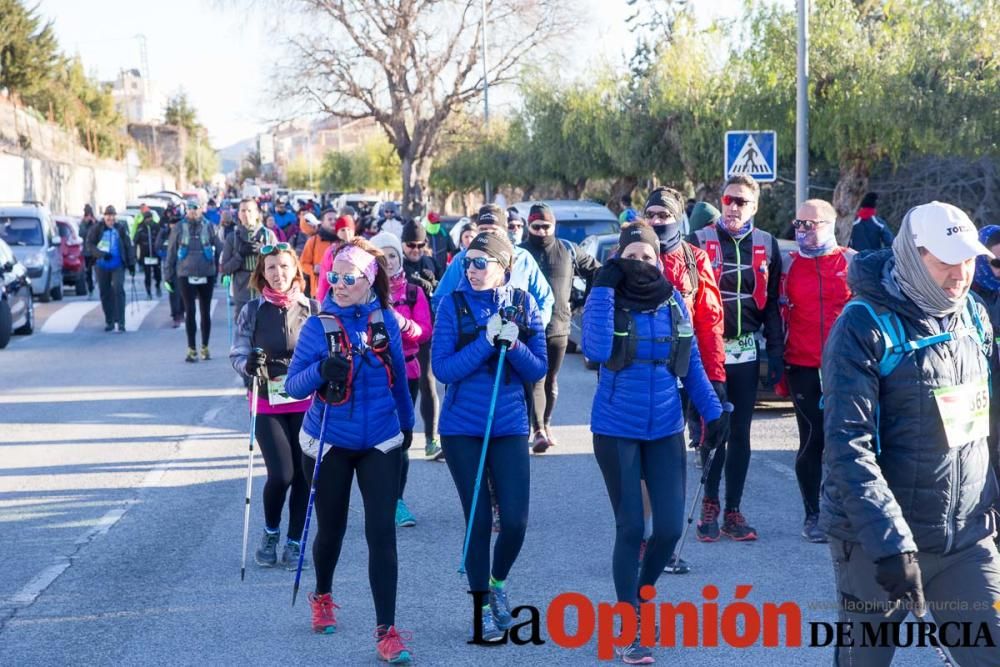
(822, 327)
(739, 289)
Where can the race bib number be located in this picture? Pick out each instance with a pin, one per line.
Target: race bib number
(741, 350)
(150, 261)
(198, 280)
(104, 245)
(276, 394)
(965, 412)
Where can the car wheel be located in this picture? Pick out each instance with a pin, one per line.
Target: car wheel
(81, 283)
(6, 321)
(29, 326)
(57, 293)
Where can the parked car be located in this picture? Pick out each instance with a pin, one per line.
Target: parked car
(576, 219)
(298, 197)
(74, 267)
(31, 233)
(17, 307)
(598, 246)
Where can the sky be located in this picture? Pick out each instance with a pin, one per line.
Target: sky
(223, 56)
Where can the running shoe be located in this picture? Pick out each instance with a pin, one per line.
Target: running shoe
(109, 327)
(539, 443)
(121, 327)
(811, 530)
(548, 436)
(735, 527)
(500, 606)
(636, 654)
(324, 621)
(677, 566)
(708, 526)
(432, 448)
(490, 632)
(205, 353)
(390, 647)
(404, 518)
(192, 356)
(267, 553)
(290, 556)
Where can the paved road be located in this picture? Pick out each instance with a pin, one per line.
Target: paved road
(121, 495)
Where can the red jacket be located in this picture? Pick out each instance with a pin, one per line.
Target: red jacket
(814, 292)
(704, 304)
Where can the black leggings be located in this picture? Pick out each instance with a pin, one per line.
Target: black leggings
(151, 273)
(428, 393)
(377, 472)
(203, 293)
(804, 385)
(508, 466)
(546, 391)
(741, 386)
(278, 437)
(624, 463)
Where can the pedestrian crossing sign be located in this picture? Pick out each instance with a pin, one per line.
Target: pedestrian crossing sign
(753, 154)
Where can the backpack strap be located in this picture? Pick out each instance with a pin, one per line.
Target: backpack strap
(463, 314)
(411, 294)
(692, 266)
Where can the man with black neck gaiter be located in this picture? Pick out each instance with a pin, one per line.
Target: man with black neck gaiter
(559, 261)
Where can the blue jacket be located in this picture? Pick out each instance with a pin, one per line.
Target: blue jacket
(374, 413)
(470, 372)
(524, 274)
(641, 401)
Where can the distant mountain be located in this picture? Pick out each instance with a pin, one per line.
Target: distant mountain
(230, 156)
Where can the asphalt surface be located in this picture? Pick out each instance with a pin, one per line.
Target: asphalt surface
(122, 476)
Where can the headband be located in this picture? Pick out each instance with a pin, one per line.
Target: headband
(363, 261)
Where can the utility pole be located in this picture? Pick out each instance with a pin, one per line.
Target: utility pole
(486, 99)
(802, 108)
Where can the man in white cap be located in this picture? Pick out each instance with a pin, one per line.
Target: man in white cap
(908, 485)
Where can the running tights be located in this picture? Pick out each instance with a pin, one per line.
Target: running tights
(624, 463)
(508, 466)
(804, 385)
(741, 386)
(377, 474)
(203, 293)
(278, 437)
(427, 389)
(546, 391)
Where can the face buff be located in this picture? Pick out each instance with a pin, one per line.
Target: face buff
(915, 281)
(817, 241)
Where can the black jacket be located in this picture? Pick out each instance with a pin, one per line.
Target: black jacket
(870, 234)
(916, 494)
(424, 274)
(94, 237)
(559, 265)
(992, 302)
(146, 235)
(441, 246)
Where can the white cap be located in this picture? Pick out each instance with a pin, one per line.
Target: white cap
(311, 219)
(946, 232)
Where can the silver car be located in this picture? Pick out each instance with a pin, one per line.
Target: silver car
(30, 231)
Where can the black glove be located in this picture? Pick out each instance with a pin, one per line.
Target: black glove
(428, 275)
(256, 363)
(335, 369)
(407, 439)
(716, 432)
(610, 275)
(899, 576)
(775, 369)
(422, 283)
(249, 249)
(720, 391)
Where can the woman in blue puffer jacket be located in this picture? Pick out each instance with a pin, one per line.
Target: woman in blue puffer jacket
(464, 354)
(351, 356)
(636, 324)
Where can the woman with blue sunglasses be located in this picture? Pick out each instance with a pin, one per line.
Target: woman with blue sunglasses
(351, 356)
(482, 314)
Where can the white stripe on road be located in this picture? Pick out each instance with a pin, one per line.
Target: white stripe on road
(136, 312)
(211, 308)
(67, 319)
(785, 471)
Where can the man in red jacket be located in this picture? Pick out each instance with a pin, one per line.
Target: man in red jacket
(814, 292)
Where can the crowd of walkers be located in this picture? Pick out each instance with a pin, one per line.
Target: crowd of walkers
(344, 326)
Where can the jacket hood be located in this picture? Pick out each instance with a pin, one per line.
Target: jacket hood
(870, 278)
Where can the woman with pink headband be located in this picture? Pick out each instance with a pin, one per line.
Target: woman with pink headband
(361, 419)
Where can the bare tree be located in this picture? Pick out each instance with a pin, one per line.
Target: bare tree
(411, 64)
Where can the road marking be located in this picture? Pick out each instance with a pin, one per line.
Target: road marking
(785, 471)
(136, 312)
(67, 319)
(211, 307)
(74, 394)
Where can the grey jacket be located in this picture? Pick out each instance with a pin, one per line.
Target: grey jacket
(916, 493)
(195, 263)
(234, 264)
(274, 330)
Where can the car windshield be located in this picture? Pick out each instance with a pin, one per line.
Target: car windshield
(21, 231)
(577, 230)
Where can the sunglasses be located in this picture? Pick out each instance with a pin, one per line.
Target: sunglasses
(808, 225)
(277, 247)
(659, 215)
(416, 245)
(350, 279)
(995, 263)
(729, 200)
(480, 263)
(541, 227)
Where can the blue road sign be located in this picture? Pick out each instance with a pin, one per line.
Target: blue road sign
(752, 153)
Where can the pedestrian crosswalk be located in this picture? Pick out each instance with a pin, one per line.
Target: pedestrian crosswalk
(79, 316)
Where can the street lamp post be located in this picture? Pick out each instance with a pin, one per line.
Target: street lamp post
(486, 98)
(802, 107)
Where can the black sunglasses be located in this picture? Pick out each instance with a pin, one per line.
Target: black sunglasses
(541, 227)
(807, 225)
(479, 263)
(410, 244)
(995, 263)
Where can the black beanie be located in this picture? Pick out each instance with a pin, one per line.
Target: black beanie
(669, 199)
(638, 232)
(541, 211)
(413, 232)
(494, 245)
(491, 214)
(870, 200)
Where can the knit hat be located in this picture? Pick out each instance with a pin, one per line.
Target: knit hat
(384, 240)
(669, 199)
(870, 200)
(343, 222)
(491, 214)
(702, 215)
(496, 246)
(110, 210)
(541, 211)
(414, 232)
(639, 232)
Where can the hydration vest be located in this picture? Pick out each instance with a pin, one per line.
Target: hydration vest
(626, 341)
(411, 296)
(339, 343)
(762, 244)
(207, 249)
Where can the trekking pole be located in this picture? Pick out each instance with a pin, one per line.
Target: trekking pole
(482, 458)
(309, 506)
(706, 468)
(229, 314)
(254, 391)
(135, 297)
